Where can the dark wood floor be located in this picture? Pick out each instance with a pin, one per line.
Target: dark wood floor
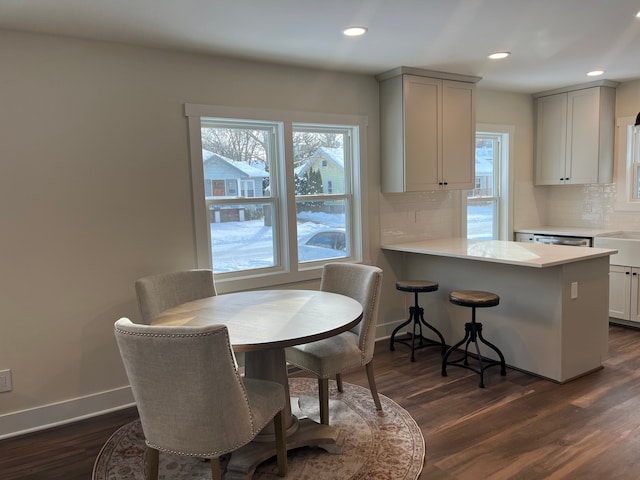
(519, 427)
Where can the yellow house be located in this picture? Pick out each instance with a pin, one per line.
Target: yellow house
(330, 163)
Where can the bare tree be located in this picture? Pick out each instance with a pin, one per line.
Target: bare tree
(241, 145)
(251, 146)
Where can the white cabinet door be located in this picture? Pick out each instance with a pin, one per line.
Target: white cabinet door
(422, 144)
(619, 292)
(458, 135)
(582, 136)
(634, 314)
(551, 138)
(624, 293)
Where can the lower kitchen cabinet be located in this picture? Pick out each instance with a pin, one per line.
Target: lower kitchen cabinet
(624, 298)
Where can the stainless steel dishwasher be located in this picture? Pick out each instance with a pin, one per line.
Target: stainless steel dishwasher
(563, 240)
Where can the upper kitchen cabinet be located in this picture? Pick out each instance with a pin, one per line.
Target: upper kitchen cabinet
(427, 122)
(575, 134)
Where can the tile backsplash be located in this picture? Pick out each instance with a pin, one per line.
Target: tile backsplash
(405, 217)
(589, 206)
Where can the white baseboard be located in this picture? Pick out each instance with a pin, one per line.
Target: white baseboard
(384, 330)
(52, 415)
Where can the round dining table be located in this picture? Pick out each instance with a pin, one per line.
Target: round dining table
(262, 323)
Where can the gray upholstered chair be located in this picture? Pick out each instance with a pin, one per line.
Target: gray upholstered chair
(157, 293)
(351, 349)
(190, 397)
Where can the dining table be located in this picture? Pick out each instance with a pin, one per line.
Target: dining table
(261, 324)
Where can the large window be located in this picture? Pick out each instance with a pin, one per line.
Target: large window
(483, 213)
(488, 216)
(276, 195)
(633, 162)
(627, 181)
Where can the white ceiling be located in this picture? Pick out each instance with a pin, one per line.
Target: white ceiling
(553, 42)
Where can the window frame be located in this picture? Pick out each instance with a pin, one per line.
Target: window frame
(626, 180)
(287, 270)
(505, 199)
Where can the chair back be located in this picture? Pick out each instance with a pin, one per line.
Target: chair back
(362, 283)
(157, 293)
(189, 395)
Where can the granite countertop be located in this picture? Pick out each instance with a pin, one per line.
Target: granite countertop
(568, 231)
(499, 251)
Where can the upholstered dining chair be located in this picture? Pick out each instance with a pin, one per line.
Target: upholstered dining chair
(157, 293)
(191, 399)
(354, 348)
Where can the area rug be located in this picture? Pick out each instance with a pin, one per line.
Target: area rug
(385, 445)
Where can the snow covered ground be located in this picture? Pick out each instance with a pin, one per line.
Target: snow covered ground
(248, 245)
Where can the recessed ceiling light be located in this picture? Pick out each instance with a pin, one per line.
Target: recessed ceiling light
(638, 14)
(595, 73)
(498, 55)
(354, 31)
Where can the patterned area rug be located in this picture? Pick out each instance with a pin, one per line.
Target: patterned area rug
(385, 445)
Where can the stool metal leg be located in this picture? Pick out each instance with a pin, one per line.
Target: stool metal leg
(398, 328)
(452, 349)
(434, 330)
(416, 315)
(473, 333)
(503, 366)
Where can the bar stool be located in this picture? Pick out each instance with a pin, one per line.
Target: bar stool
(473, 332)
(416, 315)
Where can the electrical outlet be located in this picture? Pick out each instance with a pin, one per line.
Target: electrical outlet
(5, 381)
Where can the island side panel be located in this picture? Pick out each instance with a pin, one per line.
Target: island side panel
(526, 326)
(585, 327)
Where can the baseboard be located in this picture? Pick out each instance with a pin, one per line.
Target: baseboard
(384, 330)
(40, 418)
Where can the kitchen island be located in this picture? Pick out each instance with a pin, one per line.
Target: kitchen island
(553, 315)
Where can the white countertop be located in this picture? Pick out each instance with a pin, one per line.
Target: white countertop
(498, 251)
(568, 231)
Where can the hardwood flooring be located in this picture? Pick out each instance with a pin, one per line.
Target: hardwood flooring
(518, 427)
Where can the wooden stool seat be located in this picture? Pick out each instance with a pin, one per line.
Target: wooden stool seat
(474, 298)
(473, 333)
(416, 315)
(416, 286)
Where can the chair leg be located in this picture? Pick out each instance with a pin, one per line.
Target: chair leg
(372, 385)
(216, 473)
(152, 459)
(281, 443)
(323, 396)
(339, 382)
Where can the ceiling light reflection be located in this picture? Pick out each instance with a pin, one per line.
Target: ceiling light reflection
(499, 55)
(354, 31)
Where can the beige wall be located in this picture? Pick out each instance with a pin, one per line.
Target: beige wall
(95, 192)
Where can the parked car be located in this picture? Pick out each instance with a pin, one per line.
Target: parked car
(330, 243)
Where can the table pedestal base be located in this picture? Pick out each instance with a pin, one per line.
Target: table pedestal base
(245, 460)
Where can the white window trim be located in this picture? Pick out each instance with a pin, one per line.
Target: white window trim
(505, 215)
(290, 273)
(623, 180)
